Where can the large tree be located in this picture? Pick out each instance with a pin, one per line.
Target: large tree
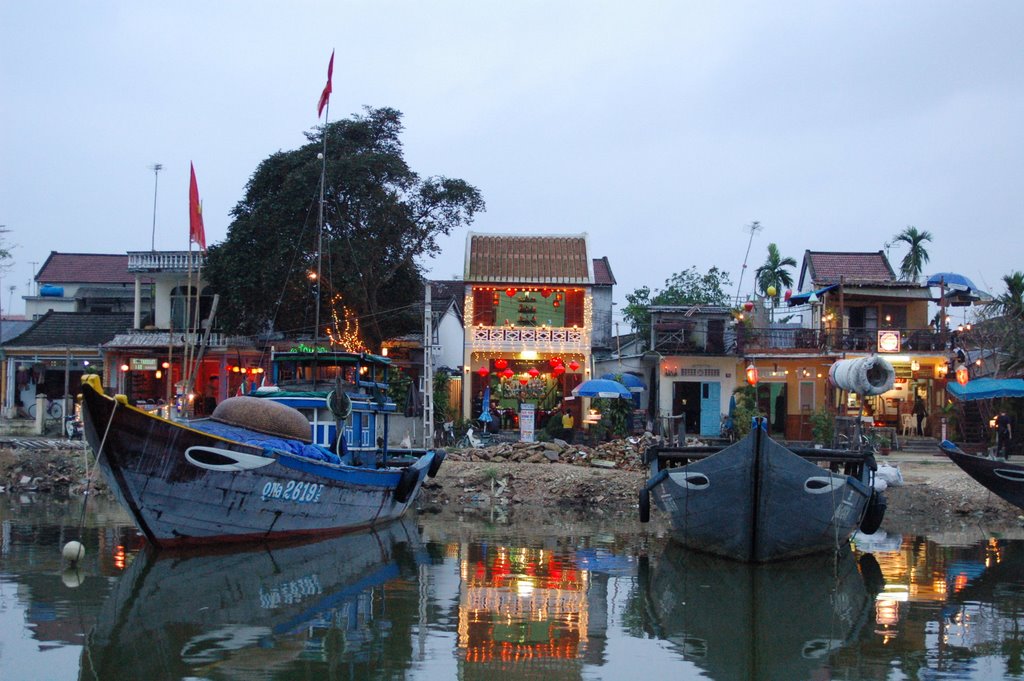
(917, 256)
(688, 287)
(1007, 319)
(380, 219)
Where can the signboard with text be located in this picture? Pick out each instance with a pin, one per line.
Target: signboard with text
(527, 416)
(888, 340)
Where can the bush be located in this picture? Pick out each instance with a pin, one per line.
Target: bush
(822, 427)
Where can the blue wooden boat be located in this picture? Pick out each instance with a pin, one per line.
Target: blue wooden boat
(251, 472)
(758, 501)
(999, 476)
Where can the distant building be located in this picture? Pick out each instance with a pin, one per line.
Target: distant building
(86, 282)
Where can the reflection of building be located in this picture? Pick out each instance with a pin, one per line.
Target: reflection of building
(521, 610)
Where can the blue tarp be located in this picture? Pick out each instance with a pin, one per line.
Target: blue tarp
(251, 437)
(987, 388)
(802, 298)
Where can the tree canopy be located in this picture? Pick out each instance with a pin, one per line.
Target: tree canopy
(917, 256)
(688, 287)
(380, 219)
(774, 272)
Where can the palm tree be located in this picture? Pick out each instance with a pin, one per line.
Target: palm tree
(774, 271)
(914, 261)
(1011, 303)
(1009, 310)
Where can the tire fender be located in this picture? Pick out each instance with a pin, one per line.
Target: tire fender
(874, 514)
(645, 505)
(435, 465)
(406, 485)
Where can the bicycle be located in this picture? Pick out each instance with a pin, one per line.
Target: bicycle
(54, 409)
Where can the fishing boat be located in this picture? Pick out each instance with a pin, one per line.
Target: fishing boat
(258, 612)
(999, 476)
(249, 472)
(755, 622)
(757, 501)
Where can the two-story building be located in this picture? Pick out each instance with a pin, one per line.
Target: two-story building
(87, 282)
(530, 313)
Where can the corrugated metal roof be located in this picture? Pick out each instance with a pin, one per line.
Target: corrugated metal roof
(510, 259)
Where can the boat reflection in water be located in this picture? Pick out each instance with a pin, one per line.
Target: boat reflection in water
(253, 613)
(743, 621)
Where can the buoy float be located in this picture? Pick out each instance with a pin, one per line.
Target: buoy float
(73, 552)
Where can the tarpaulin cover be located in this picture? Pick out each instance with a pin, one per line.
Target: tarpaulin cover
(251, 437)
(987, 388)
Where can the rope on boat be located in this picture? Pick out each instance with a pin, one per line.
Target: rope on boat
(88, 472)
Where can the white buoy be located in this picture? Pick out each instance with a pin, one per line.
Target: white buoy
(73, 552)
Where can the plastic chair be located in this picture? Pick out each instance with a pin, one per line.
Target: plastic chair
(908, 424)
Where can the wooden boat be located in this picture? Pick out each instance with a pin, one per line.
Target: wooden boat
(259, 612)
(754, 622)
(248, 473)
(999, 476)
(758, 501)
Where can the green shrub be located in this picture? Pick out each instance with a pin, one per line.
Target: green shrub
(822, 427)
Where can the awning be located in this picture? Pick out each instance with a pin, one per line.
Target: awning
(802, 298)
(987, 388)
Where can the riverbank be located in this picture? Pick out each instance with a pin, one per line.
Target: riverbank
(548, 480)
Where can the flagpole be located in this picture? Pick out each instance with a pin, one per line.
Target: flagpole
(325, 104)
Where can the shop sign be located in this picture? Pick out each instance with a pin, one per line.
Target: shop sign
(527, 416)
(142, 363)
(888, 341)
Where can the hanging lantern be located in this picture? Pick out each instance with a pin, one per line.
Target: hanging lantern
(788, 294)
(497, 298)
(748, 306)
(752, 374)
(508, 373)
(556, 304)
(510, 292)
(545, 292)
(962, 376)
(523, 380)
(771, 291)
(483, 371)
(500, 363)
(558, 369)
(574, 365)
(533, 372)
(554, 361)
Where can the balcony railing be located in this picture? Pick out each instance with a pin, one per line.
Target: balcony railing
(164, 261)
(833, 340)
(541, 335)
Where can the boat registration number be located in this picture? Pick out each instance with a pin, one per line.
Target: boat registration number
(300, 492)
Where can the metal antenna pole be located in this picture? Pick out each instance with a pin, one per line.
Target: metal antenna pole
(754, 227)
(156, 168)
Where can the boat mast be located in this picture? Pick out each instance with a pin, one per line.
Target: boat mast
(320, 247)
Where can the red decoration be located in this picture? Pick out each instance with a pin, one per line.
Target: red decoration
(748, 306)
(555, 304)
(508, 373)
(510, 292)
(483, 371)
(558, 370)
(500, 364)
(554, 361)
(752, 375)
(524, 380)
(533, 372)
(962, 375)
(574, 365)
(788, 294)
(545, 292)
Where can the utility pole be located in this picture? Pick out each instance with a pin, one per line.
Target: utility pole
(156, 168)
(754, 227)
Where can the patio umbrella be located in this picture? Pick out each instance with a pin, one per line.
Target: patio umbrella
(634, 383)
(952, 280)
(601, 387)
(485, 407)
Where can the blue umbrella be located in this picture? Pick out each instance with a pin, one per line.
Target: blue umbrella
(952, 280)
(634, 383)
(601, 387)
(485, 408)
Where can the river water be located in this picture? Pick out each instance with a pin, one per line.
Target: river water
(435, 598)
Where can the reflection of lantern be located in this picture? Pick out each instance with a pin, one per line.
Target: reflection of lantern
(574, 365)
(533, 372)
(558, 370)
(752, 374)
(500, 364)
(483, 371)
(523, 380)
(748, 306)
(961, 375)
(510, 292)
(508, 373)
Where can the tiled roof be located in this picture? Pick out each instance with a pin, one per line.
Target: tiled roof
(78, 329)
(85, 268)
(603, 272)
(509, 259)
(827, 267)
(12, 328)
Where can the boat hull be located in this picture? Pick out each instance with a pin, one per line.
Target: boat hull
(185, 487)
(756, 501)
(1002, 478)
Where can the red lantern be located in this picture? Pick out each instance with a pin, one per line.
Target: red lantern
(558, 370)
(788, 294)
(752, 374)
(554, 361)
(483, 371)
(510, 292)
(533, 372)
(962, 376)
(500, 364)
(523, 380)
(508, 373)
(748, 306)
(574, 365)
(545, 292)
(555, 304)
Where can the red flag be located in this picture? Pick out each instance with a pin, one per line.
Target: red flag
(196, 233)
(326, 94)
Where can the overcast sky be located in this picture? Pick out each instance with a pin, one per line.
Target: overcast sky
(661, 129)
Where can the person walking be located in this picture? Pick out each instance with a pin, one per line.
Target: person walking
(1004, 434)
(920, 412)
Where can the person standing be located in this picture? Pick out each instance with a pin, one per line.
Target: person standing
(567, 426)
(1004, 434)
(920, 412)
